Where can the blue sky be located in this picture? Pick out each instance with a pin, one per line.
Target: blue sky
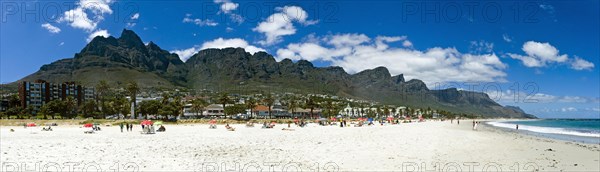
(548, 50)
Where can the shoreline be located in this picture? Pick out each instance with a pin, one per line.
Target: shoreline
(553, 136)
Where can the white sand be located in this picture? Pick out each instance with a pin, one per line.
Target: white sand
(195, 148)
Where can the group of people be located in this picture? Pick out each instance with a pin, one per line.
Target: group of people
(127, 125)
(47, 129)
(475, 123)
(271, 125)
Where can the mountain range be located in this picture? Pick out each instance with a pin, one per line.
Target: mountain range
(127, 58)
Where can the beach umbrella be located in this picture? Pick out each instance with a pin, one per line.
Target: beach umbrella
(88, 125)
(146, 122)
(158, 123)
(31, 124)
(212, 121)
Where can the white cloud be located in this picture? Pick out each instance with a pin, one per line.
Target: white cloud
(199, 22)
(227, 7)
(357, 52)
(235, 42)
(407, 43)
(219, 43)
(79, 17)
(51, 28)
(61, 44)
(129, 25)
(581, 64)
(568, 109)
(539, 54)
(135, 16)
(185, 54)
(101, 32)
(547, 7)
(510, 96)
(281, 24)
(481, 47)
(506, 38)
(132, 19)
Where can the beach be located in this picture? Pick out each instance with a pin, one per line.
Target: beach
(432, 145)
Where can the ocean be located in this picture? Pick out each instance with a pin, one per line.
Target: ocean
(580, 130)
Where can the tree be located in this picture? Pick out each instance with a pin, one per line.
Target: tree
(121, 105)
(269, 101)
(53, 108)
(133, 89)
(178, 105)
(199, 105)
(69, 105)
(329, 106)
(292, 103)
(14, 111)
(311, 103)
(223, 99)
(251, 103)
(14, 100)
(235, 109)
(102, 89)
(88, 109)
(149, 107)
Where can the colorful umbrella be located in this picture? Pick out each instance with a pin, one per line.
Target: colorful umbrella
(88, 125)
(212, 121)
(31, 124)
(147, 122)
(158, 123)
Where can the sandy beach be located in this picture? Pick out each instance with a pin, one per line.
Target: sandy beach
(405, 147)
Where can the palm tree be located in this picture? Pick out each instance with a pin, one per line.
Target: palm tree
(133, 89)
(101, 90)
(311, 104)
(292, 103)
(177, 103)
(269, 100)
(223, 99)
(198, 105)
(251, 103)
(70, 105)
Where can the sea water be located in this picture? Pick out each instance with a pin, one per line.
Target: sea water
(581, 130)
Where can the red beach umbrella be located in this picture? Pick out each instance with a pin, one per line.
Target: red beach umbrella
(88, 125)
(31, 124)
(212, 121)
(147, 122)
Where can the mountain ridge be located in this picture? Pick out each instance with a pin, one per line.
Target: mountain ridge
(126, 58)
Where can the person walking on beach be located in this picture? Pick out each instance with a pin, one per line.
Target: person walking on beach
(517, 126)
(121, 125)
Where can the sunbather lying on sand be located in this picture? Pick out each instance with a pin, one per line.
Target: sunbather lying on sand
(229, 127)
(287, 129)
